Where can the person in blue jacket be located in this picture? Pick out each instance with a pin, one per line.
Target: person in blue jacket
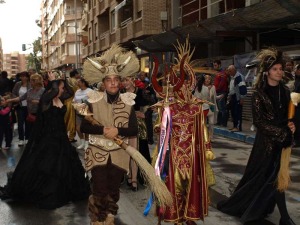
(237, 93)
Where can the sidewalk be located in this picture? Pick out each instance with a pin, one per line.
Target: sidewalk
(246, 135)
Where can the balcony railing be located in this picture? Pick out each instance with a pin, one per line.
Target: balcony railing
(104, 40)
(127, 32)
(125, 22)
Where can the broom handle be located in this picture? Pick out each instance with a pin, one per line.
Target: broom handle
(117, 139)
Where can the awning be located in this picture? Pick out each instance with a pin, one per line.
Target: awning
(247, 21)
(163, 42)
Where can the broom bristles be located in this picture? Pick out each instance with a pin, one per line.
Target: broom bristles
(157, 186)
(284, 172)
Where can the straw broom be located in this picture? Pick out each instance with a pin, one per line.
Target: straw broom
(283, 179)
(156, 185)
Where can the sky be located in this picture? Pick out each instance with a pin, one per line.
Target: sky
(17, 24)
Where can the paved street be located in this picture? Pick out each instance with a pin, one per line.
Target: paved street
(228, 167)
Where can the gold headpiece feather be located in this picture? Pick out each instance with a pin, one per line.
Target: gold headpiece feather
(268, 58)
(114, 61)
(183, 49)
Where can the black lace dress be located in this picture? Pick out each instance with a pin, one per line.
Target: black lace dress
(49, 173)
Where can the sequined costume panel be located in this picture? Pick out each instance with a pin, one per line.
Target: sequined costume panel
(187, 176)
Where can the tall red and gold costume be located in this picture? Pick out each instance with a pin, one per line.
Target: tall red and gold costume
(188, 146)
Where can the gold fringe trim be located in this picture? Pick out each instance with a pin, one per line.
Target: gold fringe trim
(284, 179)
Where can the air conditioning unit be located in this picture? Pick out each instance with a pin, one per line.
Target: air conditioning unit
(85, 8)
(163, 15)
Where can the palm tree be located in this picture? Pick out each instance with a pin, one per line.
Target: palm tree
(34, 58)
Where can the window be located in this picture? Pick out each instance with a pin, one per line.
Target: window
(139, 8)
(96, 31)
(71, 49)
(215, 8)
(113, 20)
(68, 10)
(124, 12)
(189, 11)
(90, 35)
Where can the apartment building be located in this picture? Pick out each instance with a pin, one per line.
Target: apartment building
(75, 29)
(14, 63)
(120, 21)
(60, 21)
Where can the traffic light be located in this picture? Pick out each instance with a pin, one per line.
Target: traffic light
(23, 47)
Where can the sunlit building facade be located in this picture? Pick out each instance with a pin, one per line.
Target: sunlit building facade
(14, 63)
(60, 23)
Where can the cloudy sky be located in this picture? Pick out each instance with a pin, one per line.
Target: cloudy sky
(17, 24)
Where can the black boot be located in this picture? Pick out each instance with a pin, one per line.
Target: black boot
(286, 222)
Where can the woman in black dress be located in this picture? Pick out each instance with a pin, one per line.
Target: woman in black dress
(256, 194)
(49, 173)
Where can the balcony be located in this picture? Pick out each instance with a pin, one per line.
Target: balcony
(91, 48)
(126, 30)
(104, 40)
(94, 12)
(138, 28)
(84, 52)
(103, 5)
(97, 9)
(117, 36)
(70, 38)
(91, 15)
(67, 59)
(63, 37)
(84, 21)
(97, 46)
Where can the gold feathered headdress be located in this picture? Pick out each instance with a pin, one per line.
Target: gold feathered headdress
(114, 61)
(268, 58)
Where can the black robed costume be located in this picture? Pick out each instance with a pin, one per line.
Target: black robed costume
(49, 173)
(254, 197)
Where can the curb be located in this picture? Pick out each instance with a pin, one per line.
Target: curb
(239, 136)
(246, 138)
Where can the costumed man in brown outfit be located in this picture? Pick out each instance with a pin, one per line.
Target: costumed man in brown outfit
(114, 116)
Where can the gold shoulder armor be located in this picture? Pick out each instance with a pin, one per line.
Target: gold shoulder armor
(94, 96)
(82, 109)
(128, 98)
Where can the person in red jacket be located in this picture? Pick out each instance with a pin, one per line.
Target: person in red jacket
(221, 83)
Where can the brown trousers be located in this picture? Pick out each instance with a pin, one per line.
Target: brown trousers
(106, 182)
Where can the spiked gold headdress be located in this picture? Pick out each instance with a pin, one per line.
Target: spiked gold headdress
(114, 61)
(180, 74)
